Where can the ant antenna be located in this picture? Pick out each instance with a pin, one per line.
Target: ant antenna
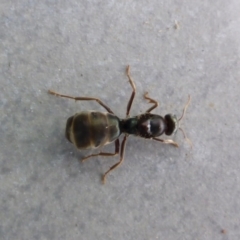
(183, 114)
(185, 108)
(187, 139)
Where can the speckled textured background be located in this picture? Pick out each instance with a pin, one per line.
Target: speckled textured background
(81, 48)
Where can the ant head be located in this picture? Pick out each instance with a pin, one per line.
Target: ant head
(172, 124)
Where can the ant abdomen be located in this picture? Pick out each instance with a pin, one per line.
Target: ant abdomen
(92, 129)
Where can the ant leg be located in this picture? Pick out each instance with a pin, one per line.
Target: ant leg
(133, 90)
(120, 161)
(104, 153)
(150, 101)
(81, 99)
(167, 141)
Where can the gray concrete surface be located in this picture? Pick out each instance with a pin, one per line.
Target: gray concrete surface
(81, 48)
